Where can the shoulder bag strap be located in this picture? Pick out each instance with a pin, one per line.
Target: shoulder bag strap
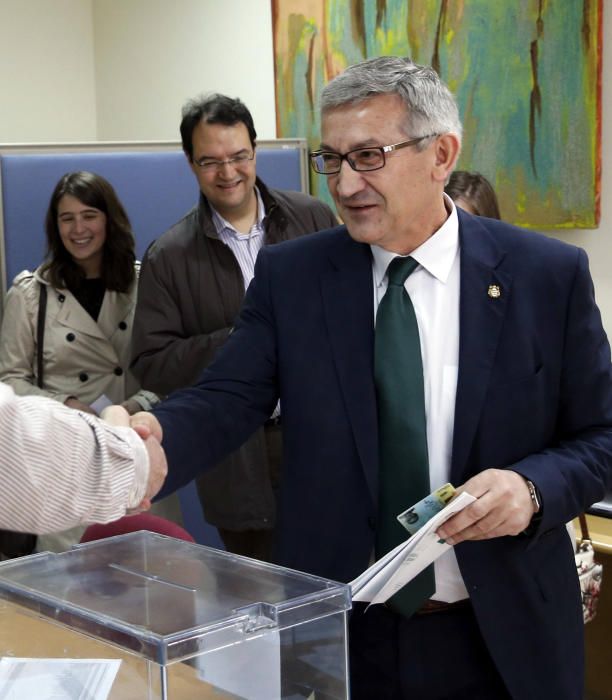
(584, 528)
(40, 331)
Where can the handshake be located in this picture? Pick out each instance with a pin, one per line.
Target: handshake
(148, 428)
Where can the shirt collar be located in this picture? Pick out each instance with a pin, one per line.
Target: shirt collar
(436, 254)
(223, 225)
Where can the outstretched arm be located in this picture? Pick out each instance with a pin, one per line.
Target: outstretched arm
(61, 467)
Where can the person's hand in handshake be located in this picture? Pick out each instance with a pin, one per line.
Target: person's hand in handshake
(146, 424)
(149, 429)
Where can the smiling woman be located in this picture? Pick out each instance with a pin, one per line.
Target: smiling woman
(66, 330)
(83, 233)
(67, 325)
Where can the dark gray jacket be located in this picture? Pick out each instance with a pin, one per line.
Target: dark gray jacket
(190, 291)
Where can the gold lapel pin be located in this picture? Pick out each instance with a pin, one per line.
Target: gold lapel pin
(494, 291)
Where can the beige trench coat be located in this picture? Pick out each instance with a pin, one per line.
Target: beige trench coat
(82, 358)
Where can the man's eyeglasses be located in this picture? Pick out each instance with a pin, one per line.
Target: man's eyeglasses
(360, 159)
(209, 164)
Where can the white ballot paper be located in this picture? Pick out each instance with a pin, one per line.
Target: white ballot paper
(386, 576)
(49, 679)
(101, 403)
(250, 670)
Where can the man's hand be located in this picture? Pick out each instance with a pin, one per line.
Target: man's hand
(503, 506)
(145, 424)
(158, 469)
(116, 415)
(149, 429)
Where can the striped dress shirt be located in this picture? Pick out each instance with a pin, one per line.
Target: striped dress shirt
(244, 246)
(60, 467)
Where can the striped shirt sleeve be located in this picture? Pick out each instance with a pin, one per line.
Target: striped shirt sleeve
(60, 467)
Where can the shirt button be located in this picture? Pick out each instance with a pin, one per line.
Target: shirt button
(70, 337)
(122, 325)
(83, 376)
(118, 371)
(61, 298)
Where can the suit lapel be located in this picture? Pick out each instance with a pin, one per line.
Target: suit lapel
(347, 290)
(348, 301)
(484, 296)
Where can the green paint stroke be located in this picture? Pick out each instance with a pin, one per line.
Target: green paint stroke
(484, 56)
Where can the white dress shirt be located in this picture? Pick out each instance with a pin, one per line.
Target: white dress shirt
(434, 291)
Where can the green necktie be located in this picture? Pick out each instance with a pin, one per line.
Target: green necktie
(404, 466)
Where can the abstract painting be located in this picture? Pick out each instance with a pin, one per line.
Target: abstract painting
(526, 74)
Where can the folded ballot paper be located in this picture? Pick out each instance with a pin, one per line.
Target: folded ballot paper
(386, 576)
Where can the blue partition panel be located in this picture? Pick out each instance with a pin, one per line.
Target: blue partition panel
(156, 187)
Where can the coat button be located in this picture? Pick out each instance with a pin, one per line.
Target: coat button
(61, 298)
(122, 325)
(83, 376)
(70, 337)
(118, 371)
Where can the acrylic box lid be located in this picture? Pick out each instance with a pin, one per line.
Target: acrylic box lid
(166, 599)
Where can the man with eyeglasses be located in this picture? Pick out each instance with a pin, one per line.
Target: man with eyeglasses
(417, 345)
(192, 283)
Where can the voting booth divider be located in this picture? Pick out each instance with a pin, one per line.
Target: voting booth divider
(157, 188)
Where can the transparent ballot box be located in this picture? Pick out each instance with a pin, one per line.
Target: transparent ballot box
(144, 616)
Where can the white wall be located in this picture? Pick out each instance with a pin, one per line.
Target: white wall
(149, 56)
(47, 89)
(153, 55)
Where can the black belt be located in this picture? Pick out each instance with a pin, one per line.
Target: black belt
(272, 422)
(430, 607)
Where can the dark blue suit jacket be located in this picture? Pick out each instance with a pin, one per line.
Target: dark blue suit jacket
(534, 394)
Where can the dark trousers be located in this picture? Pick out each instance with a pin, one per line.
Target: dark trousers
(259, 544)
(434, 656)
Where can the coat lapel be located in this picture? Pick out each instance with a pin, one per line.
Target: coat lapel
(348, 299)
(72, 315)
(116, 308)
(484, 296)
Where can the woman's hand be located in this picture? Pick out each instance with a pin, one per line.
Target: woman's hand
(73, 402)
(131, 406)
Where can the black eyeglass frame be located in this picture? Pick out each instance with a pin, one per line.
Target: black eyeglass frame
(210, 164)
(346, 156)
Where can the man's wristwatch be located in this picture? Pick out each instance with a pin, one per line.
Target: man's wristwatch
(535, 499)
